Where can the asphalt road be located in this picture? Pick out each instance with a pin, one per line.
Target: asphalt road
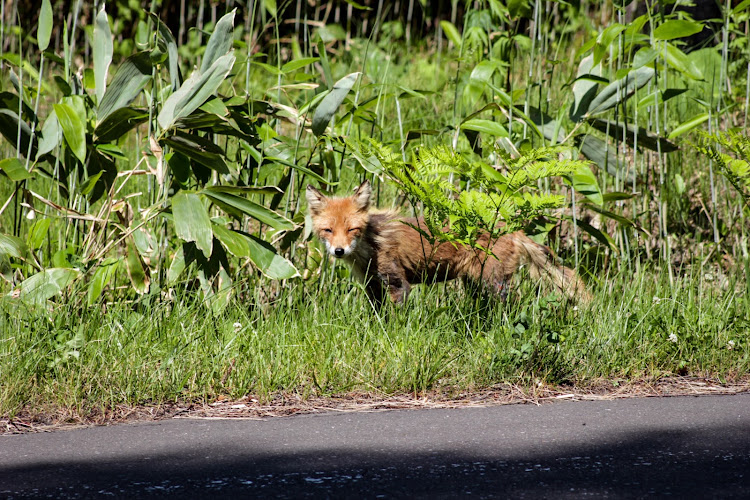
(678, 447)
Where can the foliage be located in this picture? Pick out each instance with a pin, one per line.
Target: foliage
(735, 168)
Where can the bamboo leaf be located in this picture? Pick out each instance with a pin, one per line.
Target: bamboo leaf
(486, 126)
(451, 32)
(51, 135)
(247, 207)
(13, 246)
(298, 63)
(618, 92)
(195, 91)
(688, 125)
(604, 156)
(167, 41)
(138, 272)
(73, 130)
(102, 276)
(192, 222)
(584, 181)
(260, 253)
(14, 169)
(200, 150)
(119, 123)
(644, 138)
(44, 285)
(677, 28)
(102, 49)
(130, 78)
(680, 61)
(584, 90)
(220, 42)
(44, 31)
(330, 104)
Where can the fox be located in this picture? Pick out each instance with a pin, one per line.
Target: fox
(387, 253)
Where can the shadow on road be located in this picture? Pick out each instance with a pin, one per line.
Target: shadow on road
(711, 462)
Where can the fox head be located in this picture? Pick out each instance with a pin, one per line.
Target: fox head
(340, 222)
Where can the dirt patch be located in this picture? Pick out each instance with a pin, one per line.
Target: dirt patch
(286, 404)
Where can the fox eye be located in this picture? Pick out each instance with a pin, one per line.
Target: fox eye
(327, 230)
(354, 229)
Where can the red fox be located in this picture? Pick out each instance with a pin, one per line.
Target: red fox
(389, 255)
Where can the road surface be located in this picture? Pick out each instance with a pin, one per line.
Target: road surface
(677, 447)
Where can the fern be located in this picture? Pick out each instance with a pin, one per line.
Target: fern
(735, 168)
(472, 197)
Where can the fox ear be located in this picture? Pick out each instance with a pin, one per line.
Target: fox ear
(315, 199)
(361, 196)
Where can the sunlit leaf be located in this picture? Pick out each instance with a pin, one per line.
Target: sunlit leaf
(44, 32)
(677, 28)
(241, 205)
(131, 76)
(688, 125)
(220, 42)
(102, 276)
(73, 130)
(44, 285)
(191, 221)
(14, 169)
(330, 104)
(102, 49)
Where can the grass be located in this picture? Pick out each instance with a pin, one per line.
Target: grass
(654, 313)
(322, 342)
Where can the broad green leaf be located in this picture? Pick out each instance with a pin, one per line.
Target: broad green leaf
(176, 266)
(38, 233)
(44, 32)
(604, 156)
(644, 56)
(130, 78)
(199, 149)
(644, 138)
(220, 42)
(13, 246)
(584, 90)
(300, 168)
(298, 63)
(46, 284)
(618, 92)
(51, 135)
(688, 125)
(14, 169)
(119, 123)
(102, 276)
(451, 32)
(169, 43)
(605, 39)
(270, 6)
(137, 270)
(238, 204)
(236, 243)
(270, 263)
(480, 76)
(192, 222)
(195, 91)
(677, 28)
(603, 237)
(519, 8)
(680, 61)
(330, 104)
(584, 181)
(486, 126)
(10, 125)
(102, 49)
(658, 97)
(86, 186)
(73, 130)
(550, 128)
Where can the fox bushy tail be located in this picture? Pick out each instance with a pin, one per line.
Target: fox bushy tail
(541, 264)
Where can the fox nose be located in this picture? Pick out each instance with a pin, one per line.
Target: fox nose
(339, 252)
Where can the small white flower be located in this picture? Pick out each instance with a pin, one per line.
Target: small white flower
(575, 308)
(708, 277)
(237, 326)
(673, 338)
(656, 300)
(730, 345)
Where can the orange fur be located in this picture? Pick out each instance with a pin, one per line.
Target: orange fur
(390, 256)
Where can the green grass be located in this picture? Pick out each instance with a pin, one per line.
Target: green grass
(325, 339)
